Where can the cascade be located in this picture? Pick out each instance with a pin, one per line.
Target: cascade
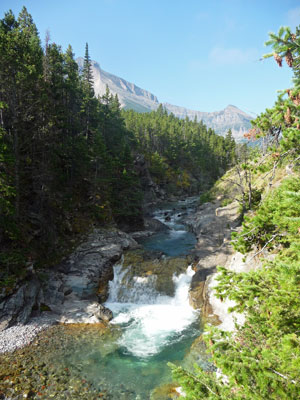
(151, 321)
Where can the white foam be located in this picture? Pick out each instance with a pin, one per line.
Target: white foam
(156, 322)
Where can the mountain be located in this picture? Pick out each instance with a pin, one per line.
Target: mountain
(130, 95)
(133, 97)
(220, 121)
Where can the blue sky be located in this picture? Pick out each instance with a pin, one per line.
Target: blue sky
(197, 54)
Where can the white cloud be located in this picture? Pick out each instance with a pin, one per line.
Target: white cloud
(293, 17)
(232, 56)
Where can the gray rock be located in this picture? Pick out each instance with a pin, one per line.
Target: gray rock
(17, 308)
(70, 289)
(105, 314)
(155, 225)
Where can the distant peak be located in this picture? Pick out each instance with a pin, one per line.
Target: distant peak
(231, 107)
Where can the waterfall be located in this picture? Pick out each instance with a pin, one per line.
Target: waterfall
(150, 320)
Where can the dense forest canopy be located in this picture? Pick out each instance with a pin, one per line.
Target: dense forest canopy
(68, 158)
(182, 154)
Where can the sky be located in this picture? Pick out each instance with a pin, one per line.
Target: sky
(197, 54)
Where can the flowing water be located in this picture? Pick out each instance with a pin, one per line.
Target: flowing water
(152, 328)
(149, 329)
(177, 240)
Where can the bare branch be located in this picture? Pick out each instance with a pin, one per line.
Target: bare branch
(260, 251)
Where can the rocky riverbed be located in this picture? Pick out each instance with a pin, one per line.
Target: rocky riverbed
(73, 292)
(65, 294)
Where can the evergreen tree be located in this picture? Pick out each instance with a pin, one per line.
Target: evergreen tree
(261, 358)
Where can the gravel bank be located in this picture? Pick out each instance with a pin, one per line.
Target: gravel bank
(19, 336)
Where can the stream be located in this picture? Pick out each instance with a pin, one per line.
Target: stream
(177, 241)
(150, 327)
(154, 328)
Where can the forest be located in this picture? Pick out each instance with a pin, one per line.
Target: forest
(70, 161)
(68, 158)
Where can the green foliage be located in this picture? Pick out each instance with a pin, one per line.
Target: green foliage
(283, 118)
(206, 197)
(225, 202)
(182, 155)
(65, 155)
(261, 359)
(157, 167)
(276, 222)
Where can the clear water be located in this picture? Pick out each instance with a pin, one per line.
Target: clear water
(153, 329)
(177, 241)
(148, 330)
(129, 360)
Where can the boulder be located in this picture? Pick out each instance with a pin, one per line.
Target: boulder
(104, 313)
(197, 289)
(17, 308)
(69, 290)
(153, 224)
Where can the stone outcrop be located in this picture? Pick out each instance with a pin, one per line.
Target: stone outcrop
(69, 291)
(212, 225)
(17, 308)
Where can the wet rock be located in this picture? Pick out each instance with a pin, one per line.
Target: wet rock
(165, 392)
(84, 312)
(70, 289)
(141, 263)
(197, 354)
(197, 290)
(104, 313)
(155, 225)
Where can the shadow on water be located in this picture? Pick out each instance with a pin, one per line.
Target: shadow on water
(177, 241)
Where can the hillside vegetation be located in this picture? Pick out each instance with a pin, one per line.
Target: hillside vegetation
(261, 358)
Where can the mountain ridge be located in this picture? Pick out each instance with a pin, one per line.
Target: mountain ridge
(133, 97)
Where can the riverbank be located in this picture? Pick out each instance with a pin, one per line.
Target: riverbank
(153, 324)
(18, 336)
(68, 293)
(71, 292)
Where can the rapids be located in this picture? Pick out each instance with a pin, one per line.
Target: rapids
(150, 321)
(128, 359)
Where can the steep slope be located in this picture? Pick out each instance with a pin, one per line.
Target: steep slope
(133, 97)
(130, 95)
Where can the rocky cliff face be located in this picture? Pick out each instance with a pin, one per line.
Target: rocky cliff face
(130, 95)
(133, 97)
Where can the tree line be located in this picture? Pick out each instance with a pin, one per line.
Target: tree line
(183, 155)
(67, 157)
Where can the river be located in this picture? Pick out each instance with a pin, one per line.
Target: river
(149, 328)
